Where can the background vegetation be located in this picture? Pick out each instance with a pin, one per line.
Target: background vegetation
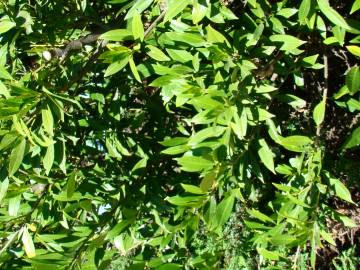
(179, 134)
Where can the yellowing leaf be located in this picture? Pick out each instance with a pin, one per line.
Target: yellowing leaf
(6, 25)
(355, 50)
(28, 243)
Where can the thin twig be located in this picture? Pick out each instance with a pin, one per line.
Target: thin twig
(326, 87)
(154, 24)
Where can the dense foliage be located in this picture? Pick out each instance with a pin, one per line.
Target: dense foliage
(179, 134)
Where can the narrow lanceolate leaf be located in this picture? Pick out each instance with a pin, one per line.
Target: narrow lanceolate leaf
(224, 210)
(4, 74)
(260, 216)
(14, 205)
(304, 11)
(174, 8)
(205, 134)
(134, 69)
(194, 164)
(319, 113)
(28, 243)
(49, 158)
(332, 14)
(117, 35)
(137, 27)
(266, 155)
(353, 79)
(138, 8)
(353, 140)
(355, 7)
(16, 157)
(341, 190)
(47, 121)
(117, 66)
(355, 50)
(3, 188)
(157, 54)
(71, 185)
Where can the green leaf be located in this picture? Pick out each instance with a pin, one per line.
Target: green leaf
(137, 27)
(3, 188)
(224, 210)
(353, 79)
(134, 69)
(181, 56)
(194, 164)
(71, 185)
(117, 66)
(157, 54)
(327, 237)
(16, 157)
(332, 14)
(214, 36)
(191, 201)
(296, 143)
(174, 8)
(304, 11)
(199, 11)
(6, 25)
(340, 190)
(260, 216)
(49, 158)
(47, 120)
(355, 50)
(193, 189)
(14, 205)
(353, 140)
(138, 8)
(194, 40)
(117, 35)
(4, 74)
(205, 134)
(355, 7)
(270, 255)
(319, 113)
(174, 141)
(289, 42)
(266, 155)
(348, 222)
(28, 243)
(175, 150)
